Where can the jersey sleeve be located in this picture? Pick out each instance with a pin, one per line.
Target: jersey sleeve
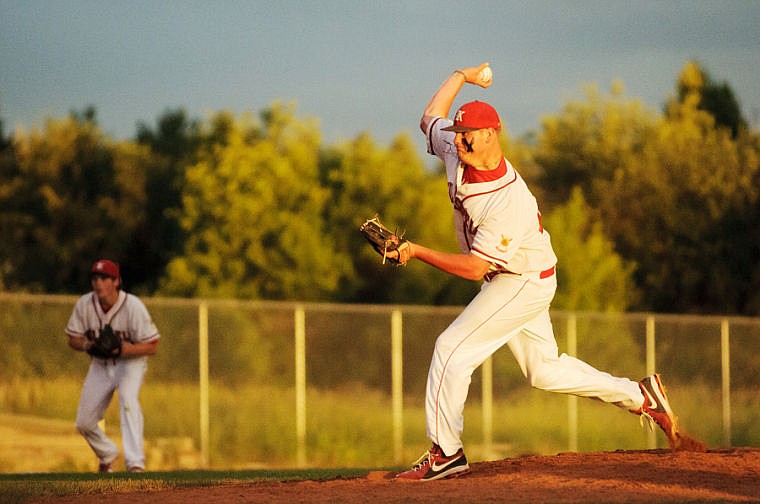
(77, 324)
(142, 329)
(441, 144)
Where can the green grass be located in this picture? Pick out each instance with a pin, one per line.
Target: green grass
(22, 488)
(253, 426)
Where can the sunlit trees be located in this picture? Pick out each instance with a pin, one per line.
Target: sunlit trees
(648, 210)
(717, 98)
(591, 275)
(670, 207)
(588, 140)
(671, 191)
(69, 195)
(251, 207)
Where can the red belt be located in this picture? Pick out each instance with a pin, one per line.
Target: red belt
(544, 274)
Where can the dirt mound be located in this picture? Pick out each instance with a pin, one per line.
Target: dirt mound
(730, 475)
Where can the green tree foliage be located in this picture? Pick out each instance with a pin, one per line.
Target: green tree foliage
(173, 144)
(591, 275)
(672, 193)
(5, 142)
(251, 210)
(8, 171)
(717, 98)
(68, 196)
(259, 208)
(680, 209)
(589, 139)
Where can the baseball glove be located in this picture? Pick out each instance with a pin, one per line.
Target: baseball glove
(383, 240)
(107, 346)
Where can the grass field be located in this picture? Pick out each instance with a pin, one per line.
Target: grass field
(23, 488)
(253, 427)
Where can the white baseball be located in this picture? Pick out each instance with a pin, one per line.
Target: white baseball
(485, 75)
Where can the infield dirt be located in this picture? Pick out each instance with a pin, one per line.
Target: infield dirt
(727, 475)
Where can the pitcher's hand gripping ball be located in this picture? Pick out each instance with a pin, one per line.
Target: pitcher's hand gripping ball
(485, 75)
(107, 346)
(383, 240)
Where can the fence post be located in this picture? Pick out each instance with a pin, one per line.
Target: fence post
(300, 378)
(725, 363)
(572, 401)
(397, 384)
(487, 374)
(650, 364)
(203, 381)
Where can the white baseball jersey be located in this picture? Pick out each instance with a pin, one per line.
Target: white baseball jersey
(497, 219)
(128, 318)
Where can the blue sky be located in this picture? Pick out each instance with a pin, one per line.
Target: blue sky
(357, 65)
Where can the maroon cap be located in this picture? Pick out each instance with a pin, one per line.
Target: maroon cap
(474, 116)
(105, 267)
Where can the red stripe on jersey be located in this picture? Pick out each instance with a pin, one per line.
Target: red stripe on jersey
(510, 182)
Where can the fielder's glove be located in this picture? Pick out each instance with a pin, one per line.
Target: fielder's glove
(383, 240)
(107, 345)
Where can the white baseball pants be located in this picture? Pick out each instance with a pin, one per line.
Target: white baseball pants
(512, 310)
(103, 378)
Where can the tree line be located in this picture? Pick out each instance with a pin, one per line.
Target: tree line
(648, 210)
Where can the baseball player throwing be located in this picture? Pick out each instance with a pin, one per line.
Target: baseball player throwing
(503, 242)
(108, 309)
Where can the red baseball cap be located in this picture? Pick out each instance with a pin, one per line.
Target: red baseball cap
(474, 116)
(105, 267)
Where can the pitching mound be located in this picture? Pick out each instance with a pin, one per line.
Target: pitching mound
(731, 475)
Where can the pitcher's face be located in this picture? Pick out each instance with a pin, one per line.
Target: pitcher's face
(472, 145)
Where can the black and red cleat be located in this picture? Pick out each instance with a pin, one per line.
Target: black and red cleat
(434, 464)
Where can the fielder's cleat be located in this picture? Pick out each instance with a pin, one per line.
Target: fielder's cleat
(105, 468)
(136, 469)
(434, 464)
(656, 409)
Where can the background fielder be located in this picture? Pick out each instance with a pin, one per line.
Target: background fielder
(127, 315)
(502, 241)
